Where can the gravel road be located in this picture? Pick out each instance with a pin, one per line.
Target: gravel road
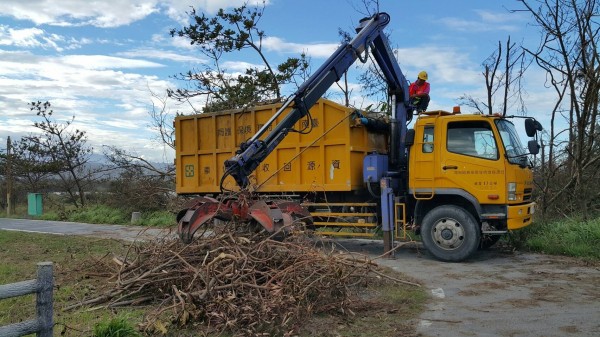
(498, 293)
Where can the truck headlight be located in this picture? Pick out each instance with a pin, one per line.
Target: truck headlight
(512, 191)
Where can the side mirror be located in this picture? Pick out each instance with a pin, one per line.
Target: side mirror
(534, 147)
(410, 137)
(531, 126)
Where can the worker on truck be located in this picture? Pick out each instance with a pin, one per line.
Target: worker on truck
(419, 92)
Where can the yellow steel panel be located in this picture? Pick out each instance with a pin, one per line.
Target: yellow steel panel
(207, 170)
(337, 166)
(333, 146)
(332, 115)
(311, 170)
(206, 133)
(187, 173)
(317, 122)
(287, 177)
(187, 143)
(224, 132)
(244, 126)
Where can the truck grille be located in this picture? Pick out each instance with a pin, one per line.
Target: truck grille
(527, 194)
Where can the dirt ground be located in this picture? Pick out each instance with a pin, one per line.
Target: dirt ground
(500, 292)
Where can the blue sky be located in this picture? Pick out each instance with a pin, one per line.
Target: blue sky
(102, 61)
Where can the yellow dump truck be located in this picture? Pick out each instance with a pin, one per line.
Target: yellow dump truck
(460, 180)
(468, 168)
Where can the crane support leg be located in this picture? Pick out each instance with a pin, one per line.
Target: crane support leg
(387, 217)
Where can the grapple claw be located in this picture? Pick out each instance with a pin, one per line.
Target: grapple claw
(271, 215)
(199, 212)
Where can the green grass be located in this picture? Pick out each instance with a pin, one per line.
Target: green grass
(73, 273)
(116, 327)
(157, 219)
(100, 214)
(95, 213)
(571, 237)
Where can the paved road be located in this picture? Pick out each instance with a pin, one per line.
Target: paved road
(499, 293)
(129, 233)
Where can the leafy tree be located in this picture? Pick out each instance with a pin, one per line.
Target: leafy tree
(32, 166)
(58, 149)
(231, 31)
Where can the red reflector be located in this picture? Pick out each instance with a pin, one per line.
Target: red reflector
(493, 196)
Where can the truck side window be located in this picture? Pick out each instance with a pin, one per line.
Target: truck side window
(428, 139)
(474, 139)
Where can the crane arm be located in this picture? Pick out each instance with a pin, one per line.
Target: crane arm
(369, 33)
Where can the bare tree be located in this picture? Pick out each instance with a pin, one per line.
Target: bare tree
(123, 160)
(161, 119)
(568, 53)
(502, 72)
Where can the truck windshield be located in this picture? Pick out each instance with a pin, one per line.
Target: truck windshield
(515, 151)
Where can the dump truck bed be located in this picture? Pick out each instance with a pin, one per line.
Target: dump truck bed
(328, 158)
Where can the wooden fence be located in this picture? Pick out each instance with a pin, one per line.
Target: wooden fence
(43, 324)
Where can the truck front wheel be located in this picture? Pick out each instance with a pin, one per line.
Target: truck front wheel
(450, 233)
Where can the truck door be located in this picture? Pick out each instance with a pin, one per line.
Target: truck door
(471, 161)
(422, 169)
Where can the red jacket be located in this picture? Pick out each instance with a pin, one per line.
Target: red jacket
(415, 89)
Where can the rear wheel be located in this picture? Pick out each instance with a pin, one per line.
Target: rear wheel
(450, 233)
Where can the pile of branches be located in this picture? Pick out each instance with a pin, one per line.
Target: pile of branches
(235, 281)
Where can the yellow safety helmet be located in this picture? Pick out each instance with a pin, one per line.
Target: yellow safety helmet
(423, 75)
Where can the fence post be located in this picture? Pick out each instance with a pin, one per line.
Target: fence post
(42, 287)
(44, 300)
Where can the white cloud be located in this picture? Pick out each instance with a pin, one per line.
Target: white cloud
(73, 12)
(485, 21)
(109, 103)
(154, 53)
(28, 38)
(106, 13)
(446, 65)
(106, 62)
(319, 50)
(38, 38)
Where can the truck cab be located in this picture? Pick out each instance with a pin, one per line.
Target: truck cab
(469, 179)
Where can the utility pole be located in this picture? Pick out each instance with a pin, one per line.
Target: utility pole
(8, 177)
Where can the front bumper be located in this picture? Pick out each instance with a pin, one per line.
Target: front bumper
(520, 216)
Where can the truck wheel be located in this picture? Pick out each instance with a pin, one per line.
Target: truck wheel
(450, 233)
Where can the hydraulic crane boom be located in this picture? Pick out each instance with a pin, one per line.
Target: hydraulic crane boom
(274, 215)
(369, 34)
